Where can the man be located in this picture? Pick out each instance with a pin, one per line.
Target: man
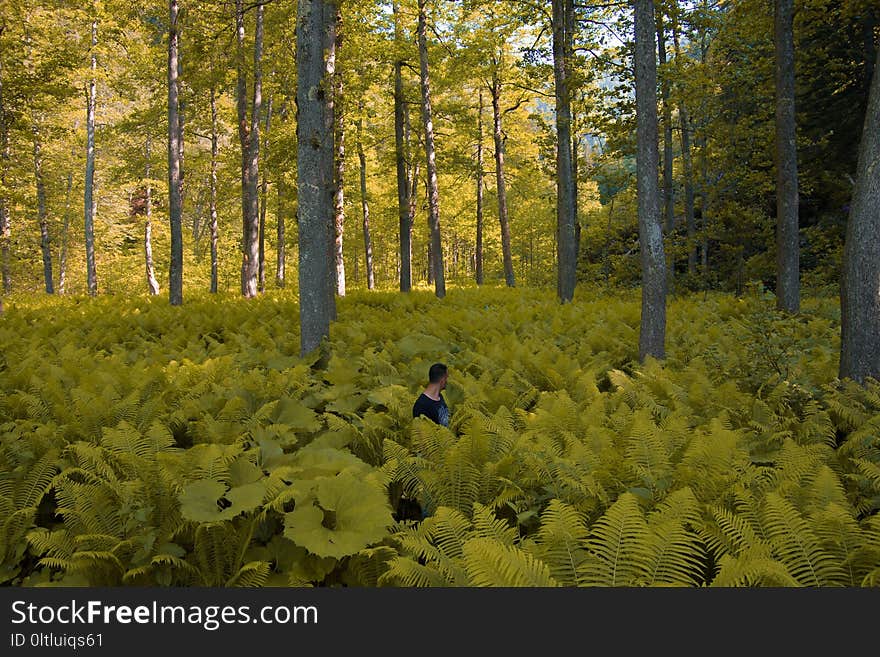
(431, 403)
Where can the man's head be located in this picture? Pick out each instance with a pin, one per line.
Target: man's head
(437, 374)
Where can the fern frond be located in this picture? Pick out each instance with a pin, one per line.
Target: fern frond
(250, 575)
(620, 542)
(797, 546)
(490, 563)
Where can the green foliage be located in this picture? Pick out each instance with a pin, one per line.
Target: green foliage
(147, 446)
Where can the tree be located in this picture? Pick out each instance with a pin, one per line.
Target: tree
(668, 195)
(436, 247)
(249, 138)
(652, 335)
(338, 167)
(152, 283)
(860, 285)
(315, 56)
(479, 248)
(88, 200)
(365, 204)
(566, 238)
(788, 295)
(400, 151)
(4, 200)
(175, 282)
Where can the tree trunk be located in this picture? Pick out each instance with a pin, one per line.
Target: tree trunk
(684, 120)
(365, 205)
(860, 286)
(4, 201)
(652, 336)
(668, 194)
(42, 215)
(403, 191)
(152, 283)
(280, 237)
(500, 183)
(788, 294)
(430, 156)
(62, 256)
(250, 138)
(479, 255)
(339, 169)
(213, 191)
(315, 40)
(566, 240)
(264, 198)
(89, 202)
(175, 285)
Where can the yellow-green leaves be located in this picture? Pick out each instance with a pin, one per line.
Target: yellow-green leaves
(339, 516)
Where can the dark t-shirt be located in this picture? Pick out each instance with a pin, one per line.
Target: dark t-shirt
(437, 411)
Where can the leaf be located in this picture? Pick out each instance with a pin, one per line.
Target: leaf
(295, 414)
(342, 516)
(199, 501)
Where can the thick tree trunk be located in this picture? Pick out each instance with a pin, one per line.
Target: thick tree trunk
(62, 256)
(175, 284)
(668, 194)
(478, 265)
(339, 169)
(152, 283)
(652, 336)
(42, 214)
(500, 182)
(430, 156)
(89, 202)
(213, 190)
(566, 239)
(365, 205)
(264, 198)
(788, 294)
(315, 56)
(860, 286)
(403, 191)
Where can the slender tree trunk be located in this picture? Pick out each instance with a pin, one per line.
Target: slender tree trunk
(4, 201)
(339, 169)
(42, 214)
(213, 190)
(152, 283)
(315, 56)
(89, 202)
(479, 254)
(175, 207)
(403, 192)
(566, 240)
(365, 205)
(788, 294)
(430, 156)
(668, 194)
(684, 120)
(860, 285)
(500, 182)
(251, 150)
(181, 107)
(280, 223)
(280, 237)
(264, 198)
(606, 249)
(652, 336)
(62, 256)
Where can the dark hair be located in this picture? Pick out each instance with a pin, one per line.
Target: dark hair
(437, 371)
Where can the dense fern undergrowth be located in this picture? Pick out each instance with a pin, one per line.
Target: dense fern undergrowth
(147, 445)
